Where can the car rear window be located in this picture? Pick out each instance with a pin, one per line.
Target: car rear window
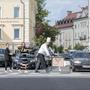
(67, 56)
(81, 55)
(2, 51)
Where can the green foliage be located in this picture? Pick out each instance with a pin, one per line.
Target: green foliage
(60, 49)
(54, 47)
(39, 40)
(69, 48)
(40, 17)
(50, 31)
(43, 30)
(79, 47)
(42, 12)
(57, 49)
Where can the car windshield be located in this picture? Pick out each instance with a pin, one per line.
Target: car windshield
(24, 56)
(81, 55)
(2, 51)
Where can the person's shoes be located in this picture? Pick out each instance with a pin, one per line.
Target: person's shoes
(47, 71)
(19, 71)
(10, 70)
(37, 72)
(5, 71)
(25, 71)
(60, 70)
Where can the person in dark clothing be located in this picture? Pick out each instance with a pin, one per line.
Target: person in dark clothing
(8, 60)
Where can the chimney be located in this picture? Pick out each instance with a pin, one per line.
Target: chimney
(69, 12)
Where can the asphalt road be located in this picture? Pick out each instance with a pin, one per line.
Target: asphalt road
(45, 83)
(16, 80)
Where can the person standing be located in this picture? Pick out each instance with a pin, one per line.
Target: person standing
(43, 51)
(8, 60)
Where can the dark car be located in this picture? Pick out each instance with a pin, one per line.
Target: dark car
(24, 61)
(66, 56)
(2, 58)
(80, 60)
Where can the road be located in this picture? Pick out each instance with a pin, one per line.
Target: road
(17, 80)
(45, 83)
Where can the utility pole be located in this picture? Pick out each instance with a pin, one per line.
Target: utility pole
(89, 25)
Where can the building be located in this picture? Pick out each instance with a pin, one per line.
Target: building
(73, 29)
(65, 27)
(17, 22)
(81, 31)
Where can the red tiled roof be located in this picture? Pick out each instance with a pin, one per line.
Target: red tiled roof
(71, 16)
(68, 20)
(64, 25)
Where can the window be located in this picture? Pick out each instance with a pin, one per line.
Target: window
(75, 35)
(16, 33)
(83, 24)
(75, 26)
(16, 12)
(0, 34)
(78, 25)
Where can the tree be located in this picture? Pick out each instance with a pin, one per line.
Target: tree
(40, 17)
(43, 30)
(39, 40)
(49, 31)
(42, 12)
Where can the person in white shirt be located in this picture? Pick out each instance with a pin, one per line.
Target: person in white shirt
(43, 51)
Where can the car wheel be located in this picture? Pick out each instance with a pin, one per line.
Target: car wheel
(75, 69)
(14, 67)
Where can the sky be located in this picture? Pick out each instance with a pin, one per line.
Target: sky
(58, 8)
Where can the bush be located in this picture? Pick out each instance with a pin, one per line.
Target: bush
(60, 49)
(57, 49)
(79, 47)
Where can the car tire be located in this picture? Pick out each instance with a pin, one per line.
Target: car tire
(75, 69)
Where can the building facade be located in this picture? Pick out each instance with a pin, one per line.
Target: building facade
(65, 38)
(73, 28)
(81, 31)
(17, 22)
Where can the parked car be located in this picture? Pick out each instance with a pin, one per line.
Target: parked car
(66, 56)
(80, 60)
(2, 58)
(24, 60)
